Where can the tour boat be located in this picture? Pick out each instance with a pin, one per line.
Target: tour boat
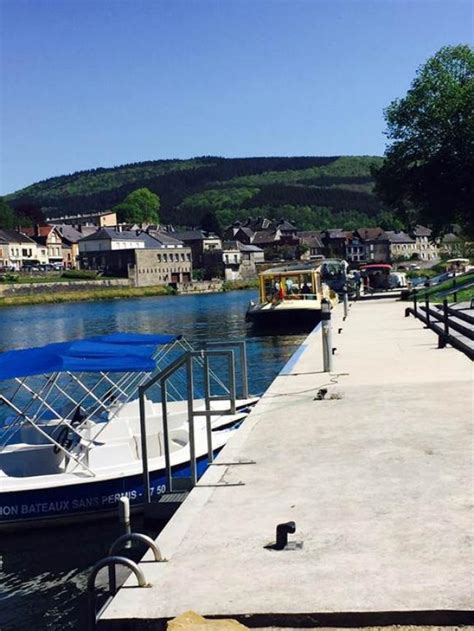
(291, 295)
(70, 440)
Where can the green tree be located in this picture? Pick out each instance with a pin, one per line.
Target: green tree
(210, 223)
(140, 206)
(427, 175)
(8, 218)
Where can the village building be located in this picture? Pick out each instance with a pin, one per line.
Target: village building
(426, 248)
(105, 219)
(200, 243)
(47, 237)
(70, 241)
(401, 245)
(310, 244)
(146, 259)
(17, 251)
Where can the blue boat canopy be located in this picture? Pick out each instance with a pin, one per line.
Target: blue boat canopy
(118, 352)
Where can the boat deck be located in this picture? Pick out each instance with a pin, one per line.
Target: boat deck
(376, 474)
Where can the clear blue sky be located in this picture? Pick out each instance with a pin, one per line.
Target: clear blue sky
(88, 83)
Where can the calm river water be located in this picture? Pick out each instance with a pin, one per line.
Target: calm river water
(43, 574)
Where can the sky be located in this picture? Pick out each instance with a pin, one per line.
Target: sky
(89, 83)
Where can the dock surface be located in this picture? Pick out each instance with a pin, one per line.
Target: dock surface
(377, 476)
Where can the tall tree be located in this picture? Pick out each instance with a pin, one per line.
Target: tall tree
(210, 223)
(140, 206)
(7, 216)
(428, 172)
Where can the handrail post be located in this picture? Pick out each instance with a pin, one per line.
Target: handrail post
(455, 294)
(243, 367)
(190, 393)
(446, 317)
(232, 385)
(146, 474)
(427, 304)
(166, 439)
(207, 403)
(415, 302)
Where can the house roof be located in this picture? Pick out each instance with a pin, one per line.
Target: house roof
(265, 236)
(68, 233)
(13, 236)
(398, 237)
(337, 233)
(112, 234)
(450, 238)
(190, 235)
(243, 247)
(285, 225)
(310, 238)
(369, 234)
(164, 238)
(37, 231)
(422, 231)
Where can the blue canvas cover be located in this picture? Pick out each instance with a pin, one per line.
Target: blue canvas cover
(118, 352)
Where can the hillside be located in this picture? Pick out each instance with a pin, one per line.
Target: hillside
(313, 192)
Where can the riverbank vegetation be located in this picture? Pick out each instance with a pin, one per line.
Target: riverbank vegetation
(232, 285)
(100, 293)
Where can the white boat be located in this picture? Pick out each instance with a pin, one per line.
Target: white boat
(70, 440)
(291, 295)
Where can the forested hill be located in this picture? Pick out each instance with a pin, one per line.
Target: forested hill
(313, 192)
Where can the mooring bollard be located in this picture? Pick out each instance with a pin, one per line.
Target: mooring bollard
(124, 517)
(326, 334)
(346, 301)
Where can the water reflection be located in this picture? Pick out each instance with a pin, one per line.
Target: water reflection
(44, 573)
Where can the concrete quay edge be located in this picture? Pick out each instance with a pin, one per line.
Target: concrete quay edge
(393, 463)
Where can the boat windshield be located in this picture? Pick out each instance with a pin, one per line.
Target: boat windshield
(294, 286)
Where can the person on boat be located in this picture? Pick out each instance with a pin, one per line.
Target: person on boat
(305, 290)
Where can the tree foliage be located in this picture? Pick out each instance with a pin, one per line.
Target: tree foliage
(428, 172)
(140, 206)
(8, 218)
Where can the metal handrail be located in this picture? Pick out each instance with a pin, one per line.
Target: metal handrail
(136, 536)
(242, 346)
(111, 562)
(162, 377)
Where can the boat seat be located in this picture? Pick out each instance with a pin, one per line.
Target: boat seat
(154, 444)
(23, 460)
(111, 455)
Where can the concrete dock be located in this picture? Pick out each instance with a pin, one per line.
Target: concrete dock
(378, 476)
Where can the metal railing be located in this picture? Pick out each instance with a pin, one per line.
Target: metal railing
(441, 321)
(162, 378)
(111, 562)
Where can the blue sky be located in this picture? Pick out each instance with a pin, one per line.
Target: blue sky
(88, 83)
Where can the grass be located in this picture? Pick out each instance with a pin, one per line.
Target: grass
(231, 285)
(433, 292)
(103, 293)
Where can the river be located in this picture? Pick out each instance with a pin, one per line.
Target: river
(43, 574)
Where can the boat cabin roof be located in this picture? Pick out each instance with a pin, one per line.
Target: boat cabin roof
(283, 270)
